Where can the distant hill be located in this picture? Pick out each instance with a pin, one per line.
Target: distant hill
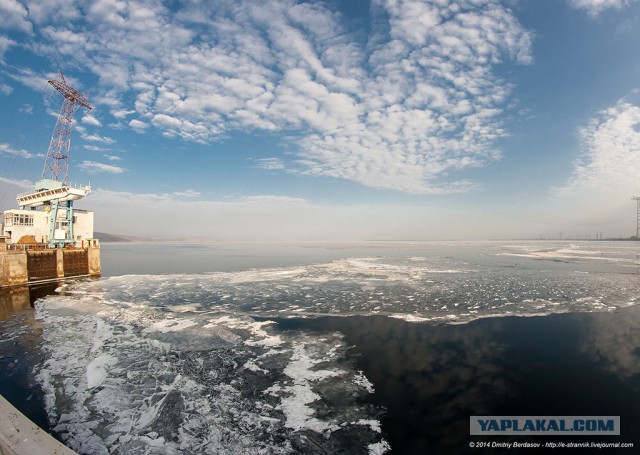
(104, 237)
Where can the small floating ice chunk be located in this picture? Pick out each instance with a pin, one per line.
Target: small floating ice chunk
(379, 448)
(361, 380)
(97, 370)
(371, 423)
(251, 365)
(228, 336)
(409, 317)
(170, 325)
(295, 406)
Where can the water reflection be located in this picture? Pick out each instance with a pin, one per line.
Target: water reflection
(20, 339)
(432, 378)
(19, 298)
(13, 300)
(613, 342)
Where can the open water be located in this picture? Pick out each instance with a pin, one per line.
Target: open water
(327, 347)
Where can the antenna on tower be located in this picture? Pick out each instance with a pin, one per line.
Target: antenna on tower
(56, 165)
(637, 199)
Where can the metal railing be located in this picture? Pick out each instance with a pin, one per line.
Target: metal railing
(79, 244)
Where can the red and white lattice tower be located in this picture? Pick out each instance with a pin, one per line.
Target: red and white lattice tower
(56, 165)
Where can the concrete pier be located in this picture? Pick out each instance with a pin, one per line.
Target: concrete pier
(23, 265)
(20, 436)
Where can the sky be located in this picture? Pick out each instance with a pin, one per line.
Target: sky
(332, 120)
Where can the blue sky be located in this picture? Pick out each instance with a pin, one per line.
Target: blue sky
(332, 120)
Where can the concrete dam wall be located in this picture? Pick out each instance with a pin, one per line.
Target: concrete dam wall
(19, 267)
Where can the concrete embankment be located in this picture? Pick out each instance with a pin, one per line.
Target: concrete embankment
(24, 266)
(20, 436)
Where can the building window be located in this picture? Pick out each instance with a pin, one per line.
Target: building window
(22, 220)
(8, 219)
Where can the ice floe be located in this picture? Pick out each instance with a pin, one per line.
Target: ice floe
(123, 379)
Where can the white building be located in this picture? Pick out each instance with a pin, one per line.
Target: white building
(48, 216)
(21, 222)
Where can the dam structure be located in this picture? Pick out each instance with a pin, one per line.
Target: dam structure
(46, 238)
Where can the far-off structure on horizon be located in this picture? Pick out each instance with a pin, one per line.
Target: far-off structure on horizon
(46, 238)
(637, 236)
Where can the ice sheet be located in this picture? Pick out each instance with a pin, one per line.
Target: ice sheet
(197, 363)
(112, 386)
(430, 289)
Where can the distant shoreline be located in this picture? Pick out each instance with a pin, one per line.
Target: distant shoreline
(118, 238)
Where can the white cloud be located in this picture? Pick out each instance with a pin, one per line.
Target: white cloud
(271, 200)
(595, 7)
(26, 109)
(186, 194)
(94, 167)
(93, 148)
(6, 149)
(6, 89)
(407, 108)
(5, 44)
(14, 16)
(28, 78)
(42, 11)
(89, 119)
(121, 113)
(21, 184)
(68, 41)
(612, 143)
(272, 164)
(609, 168)
(138, 125)
(113, 158)
(96, 137)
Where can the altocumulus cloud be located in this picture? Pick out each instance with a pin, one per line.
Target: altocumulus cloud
(6, 149)
(595, 7)
(611, 161)
(94, 167)
(401, 104)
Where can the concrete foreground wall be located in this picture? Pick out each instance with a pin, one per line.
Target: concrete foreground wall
(13, 266)
(22, 267)
(20, 436)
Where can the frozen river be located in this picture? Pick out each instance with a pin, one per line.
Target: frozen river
(330, 347)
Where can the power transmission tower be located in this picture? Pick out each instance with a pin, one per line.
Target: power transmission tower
(53, 191)
(56, 165)
(637, 199)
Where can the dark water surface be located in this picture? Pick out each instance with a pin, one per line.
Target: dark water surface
(430, 379)
(20, 339)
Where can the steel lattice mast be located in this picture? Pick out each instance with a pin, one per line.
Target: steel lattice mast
(56, 165)
(637, 199)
